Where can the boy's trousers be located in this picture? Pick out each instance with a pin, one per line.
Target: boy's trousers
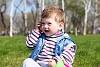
(31, 63)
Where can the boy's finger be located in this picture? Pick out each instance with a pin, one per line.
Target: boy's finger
(49, 60)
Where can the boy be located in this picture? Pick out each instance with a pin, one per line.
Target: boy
(49, 43)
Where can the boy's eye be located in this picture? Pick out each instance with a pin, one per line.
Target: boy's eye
(49, 23)
(42, 23)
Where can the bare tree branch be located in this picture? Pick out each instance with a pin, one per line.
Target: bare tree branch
(2, 11)
(17, 7)
(98, 15)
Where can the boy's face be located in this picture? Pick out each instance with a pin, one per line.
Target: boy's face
(50, 26)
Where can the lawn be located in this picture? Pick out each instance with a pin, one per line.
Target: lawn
(13, 51)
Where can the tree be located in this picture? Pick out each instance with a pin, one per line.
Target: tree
(77, 13)
(96, 14)
(63, 4)
(3, 8)
(87, 5)
(2, 11)
(25, 17)
(37, 14)
(11, 19)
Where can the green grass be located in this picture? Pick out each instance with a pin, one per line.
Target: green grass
(88, 51)
(13, 51)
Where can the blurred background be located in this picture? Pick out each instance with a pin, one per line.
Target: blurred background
(19, 17)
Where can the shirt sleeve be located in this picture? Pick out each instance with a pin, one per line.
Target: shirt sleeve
(32, 38)
(67, 55)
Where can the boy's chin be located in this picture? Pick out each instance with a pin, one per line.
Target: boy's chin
(48, 34)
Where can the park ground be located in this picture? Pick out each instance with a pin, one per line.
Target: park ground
(13, 51)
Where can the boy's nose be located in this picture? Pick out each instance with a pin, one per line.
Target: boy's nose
(45, 26)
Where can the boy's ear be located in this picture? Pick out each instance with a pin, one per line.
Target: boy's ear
(61, 25)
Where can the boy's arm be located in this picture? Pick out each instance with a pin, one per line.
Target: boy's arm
(68, 54)
(32, 38)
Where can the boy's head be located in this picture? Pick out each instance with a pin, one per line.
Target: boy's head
(53, 11)
(52, 20)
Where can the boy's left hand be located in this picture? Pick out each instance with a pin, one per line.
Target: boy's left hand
(52, 63)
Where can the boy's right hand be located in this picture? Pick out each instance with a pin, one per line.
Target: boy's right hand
(52, 62)
(38, 27)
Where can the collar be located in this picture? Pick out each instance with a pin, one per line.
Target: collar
(58, 34)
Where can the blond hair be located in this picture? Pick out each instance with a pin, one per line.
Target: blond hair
(56, 11)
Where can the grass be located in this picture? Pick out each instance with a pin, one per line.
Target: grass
(13, 51)
(88, 51)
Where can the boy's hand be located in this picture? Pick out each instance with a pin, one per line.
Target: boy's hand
(52, 63)
(38, 27)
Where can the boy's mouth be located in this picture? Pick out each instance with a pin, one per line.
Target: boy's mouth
(46, 30)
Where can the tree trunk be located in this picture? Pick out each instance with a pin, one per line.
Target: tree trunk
(94, 26)
(63, 9)
(85, 23)
(11, 19)
(76, 31)
(2, 11)
(63, 4)
(95, 20)
(87, 4)
(42, 5)
(25, 18)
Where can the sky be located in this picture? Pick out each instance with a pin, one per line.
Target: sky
(21, 7)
